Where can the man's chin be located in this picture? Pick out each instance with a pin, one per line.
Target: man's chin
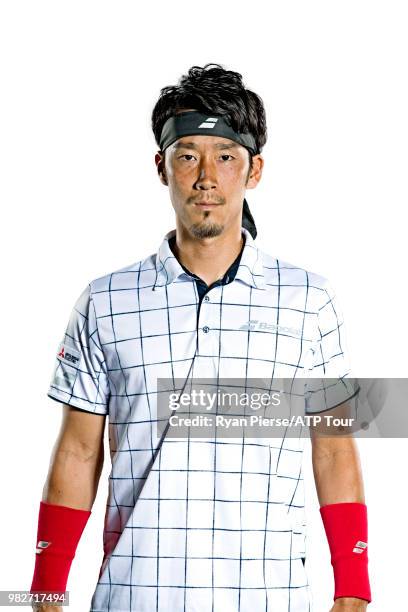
(206, 230)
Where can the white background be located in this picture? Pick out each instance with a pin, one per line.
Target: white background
(80, 198)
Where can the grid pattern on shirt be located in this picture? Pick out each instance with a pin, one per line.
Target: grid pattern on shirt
(191, 524)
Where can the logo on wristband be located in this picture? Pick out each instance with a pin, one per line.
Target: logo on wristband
(360, 547)
(40, 546)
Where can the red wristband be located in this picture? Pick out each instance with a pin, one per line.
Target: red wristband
(347, 534)
(59, 531)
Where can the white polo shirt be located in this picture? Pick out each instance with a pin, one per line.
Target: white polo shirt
(193, 525)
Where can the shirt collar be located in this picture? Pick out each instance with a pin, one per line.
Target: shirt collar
(250, 269)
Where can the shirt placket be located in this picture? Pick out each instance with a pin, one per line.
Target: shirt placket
(208, 317)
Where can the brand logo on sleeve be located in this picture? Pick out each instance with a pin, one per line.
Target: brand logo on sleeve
(68, 354)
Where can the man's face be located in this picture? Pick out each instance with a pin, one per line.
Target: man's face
(207, 177)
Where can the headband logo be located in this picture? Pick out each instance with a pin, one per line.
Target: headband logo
(208, 123)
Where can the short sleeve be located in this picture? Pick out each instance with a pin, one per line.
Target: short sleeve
(80, 376)
(329, 383)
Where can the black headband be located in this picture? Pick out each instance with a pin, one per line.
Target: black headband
(188, 123)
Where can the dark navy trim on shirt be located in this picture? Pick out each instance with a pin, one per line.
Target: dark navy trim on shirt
(202, 286)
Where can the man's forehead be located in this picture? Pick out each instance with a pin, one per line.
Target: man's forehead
(199, 140)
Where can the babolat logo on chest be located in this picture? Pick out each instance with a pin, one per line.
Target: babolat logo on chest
(68, 354)
(255, 325)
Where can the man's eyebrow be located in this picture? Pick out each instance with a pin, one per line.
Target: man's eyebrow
(224, 145)
(193, 145)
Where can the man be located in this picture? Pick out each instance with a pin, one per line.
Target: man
(200, 524)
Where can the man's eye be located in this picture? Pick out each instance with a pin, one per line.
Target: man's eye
(187, 155)
(226, 155)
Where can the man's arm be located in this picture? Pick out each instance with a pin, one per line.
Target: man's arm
(76, 465)
(77, 460)
(336, 469)
(338, 479)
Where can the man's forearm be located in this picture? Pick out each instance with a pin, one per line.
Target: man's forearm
(337, 471)
(73, 478)
(72, 481)
(338, 478)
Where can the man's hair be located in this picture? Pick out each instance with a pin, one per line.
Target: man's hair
(214, 90)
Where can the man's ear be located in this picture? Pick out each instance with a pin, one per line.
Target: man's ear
(255, 173)
(160, 165)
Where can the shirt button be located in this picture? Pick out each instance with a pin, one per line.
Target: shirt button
(206, 298)
(206, 329)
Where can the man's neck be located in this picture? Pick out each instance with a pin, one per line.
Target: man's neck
(209, 258)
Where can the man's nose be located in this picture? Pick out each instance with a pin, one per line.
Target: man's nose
(207, 178)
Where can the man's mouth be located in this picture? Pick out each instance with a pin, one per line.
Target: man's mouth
(206, 204)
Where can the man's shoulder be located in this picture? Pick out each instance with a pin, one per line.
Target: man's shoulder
(282, 272)
(126, 277)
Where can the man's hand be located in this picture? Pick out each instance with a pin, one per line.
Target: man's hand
(349, 604)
